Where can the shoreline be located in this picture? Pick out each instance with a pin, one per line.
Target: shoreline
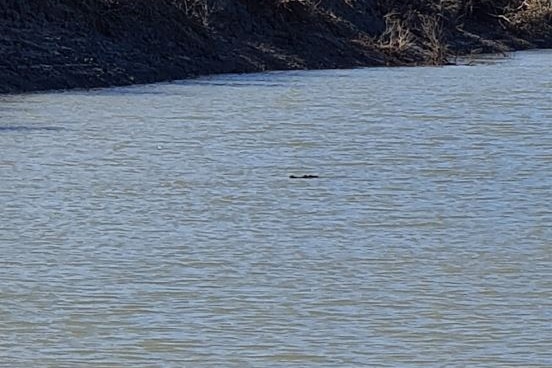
(60, 45)
(465, 60)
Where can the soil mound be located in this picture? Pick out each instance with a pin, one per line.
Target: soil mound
(60, 44)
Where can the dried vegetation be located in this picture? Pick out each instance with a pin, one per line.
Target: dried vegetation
(427, 31)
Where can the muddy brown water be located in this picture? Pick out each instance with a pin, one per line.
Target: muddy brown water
(157, 226)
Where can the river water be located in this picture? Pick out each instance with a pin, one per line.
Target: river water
(157, 226)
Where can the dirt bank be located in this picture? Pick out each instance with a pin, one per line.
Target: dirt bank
(59, 44)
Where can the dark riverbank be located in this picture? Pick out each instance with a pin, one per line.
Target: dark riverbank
(59, 44)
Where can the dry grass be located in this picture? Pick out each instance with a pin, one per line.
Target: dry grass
(532, 16)
(415, 37)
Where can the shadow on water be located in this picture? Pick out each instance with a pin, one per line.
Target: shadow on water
(28, 128)
(233, 84)
(482, 59)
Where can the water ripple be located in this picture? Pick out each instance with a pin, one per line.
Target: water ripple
(156, 226)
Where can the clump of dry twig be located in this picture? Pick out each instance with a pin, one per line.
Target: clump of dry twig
(532, 16)
(397, 37)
